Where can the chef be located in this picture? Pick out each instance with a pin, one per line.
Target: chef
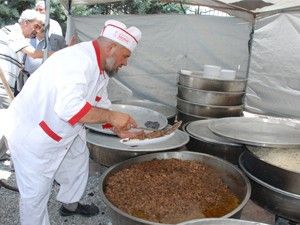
(46, 133)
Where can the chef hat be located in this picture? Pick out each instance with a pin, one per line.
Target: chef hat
(29, 14)
(118, 32)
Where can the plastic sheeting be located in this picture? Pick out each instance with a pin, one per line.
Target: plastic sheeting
(274, 77)
(173, 42)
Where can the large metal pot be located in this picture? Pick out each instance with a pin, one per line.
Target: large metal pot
(210, 97)
(208, 110)
(197, 81)
(273, 175)
(230, 175)
(221, 222)
(203, 140)
(278, 201)
(108, 150)
(186, 117)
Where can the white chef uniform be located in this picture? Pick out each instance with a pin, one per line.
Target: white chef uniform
(51, 144)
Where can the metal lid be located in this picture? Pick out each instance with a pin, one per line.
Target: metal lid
(178, 140)
(259, 131)
(199, 130)
(166, 110)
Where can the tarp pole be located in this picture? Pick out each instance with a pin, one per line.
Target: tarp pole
(46, 45)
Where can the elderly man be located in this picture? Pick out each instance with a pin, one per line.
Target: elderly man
(13, 46)
(46, 133)
(54, 28)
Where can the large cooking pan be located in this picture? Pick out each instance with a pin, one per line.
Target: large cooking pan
(208, 110)
(203, 140)
(221, 222)
(230, 175)
(210, 97)
(278, 201)
(197, 81)
(278, 177)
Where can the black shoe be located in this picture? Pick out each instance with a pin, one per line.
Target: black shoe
(83, 210)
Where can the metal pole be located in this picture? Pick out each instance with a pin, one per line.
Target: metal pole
(46, 45)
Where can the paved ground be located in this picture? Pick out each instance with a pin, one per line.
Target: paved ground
(9, 203)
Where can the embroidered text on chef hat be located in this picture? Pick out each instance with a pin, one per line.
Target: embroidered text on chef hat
(118, 32)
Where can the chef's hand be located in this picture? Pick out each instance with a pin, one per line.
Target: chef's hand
(121, 121)
(128, 133)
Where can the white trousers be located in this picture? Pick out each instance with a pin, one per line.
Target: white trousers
(35, 188)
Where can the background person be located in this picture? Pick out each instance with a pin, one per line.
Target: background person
(54, 28)
(46, 134)
(13, 46)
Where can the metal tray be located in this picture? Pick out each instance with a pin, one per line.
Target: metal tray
(166, 110)
(140, 114)
(221, 222)
(259, 131)
(196, 80)
(210, 97)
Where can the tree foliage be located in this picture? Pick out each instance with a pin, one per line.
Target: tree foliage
(10, 10)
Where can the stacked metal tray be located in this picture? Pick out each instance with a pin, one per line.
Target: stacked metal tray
(202, 97)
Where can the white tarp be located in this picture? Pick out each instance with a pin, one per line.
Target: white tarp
(274, 76)
(173, 42)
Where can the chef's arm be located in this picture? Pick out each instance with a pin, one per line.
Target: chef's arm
(116, 119)
(33, 53)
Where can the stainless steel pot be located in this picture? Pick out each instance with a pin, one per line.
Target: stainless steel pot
(186, 117)
(221, 222)
(231, 176)
(108, 150)
(197, 81)
(207, 142)
(208, 110)
(210, 97)
(277, 177)
(280, 202)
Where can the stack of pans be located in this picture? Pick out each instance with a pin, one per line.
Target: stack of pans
(201, 97)
(271, 160)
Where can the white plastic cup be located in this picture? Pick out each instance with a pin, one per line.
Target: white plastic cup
(212, 71)
(228, 74)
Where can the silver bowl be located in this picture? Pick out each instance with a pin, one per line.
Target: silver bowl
(230, 175)
(197, 81)
(210, 97)
(208, 110)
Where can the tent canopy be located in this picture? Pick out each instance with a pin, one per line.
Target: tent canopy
(246, 9)
(261, 39)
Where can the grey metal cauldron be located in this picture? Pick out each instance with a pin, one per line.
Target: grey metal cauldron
(230, 175)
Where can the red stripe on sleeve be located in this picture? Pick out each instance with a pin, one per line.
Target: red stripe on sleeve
(106, 126)
(49, 132)
(80, 114)
(98, 98)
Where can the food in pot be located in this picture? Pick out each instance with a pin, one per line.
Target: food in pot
(170, 191)
(285, 158)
